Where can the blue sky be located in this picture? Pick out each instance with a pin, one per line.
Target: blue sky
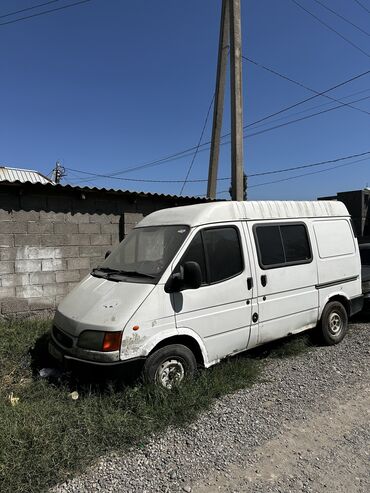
(112, 84)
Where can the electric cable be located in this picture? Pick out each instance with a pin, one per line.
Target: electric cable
(251, 175)
(44, 12)
(28, 8)
(300, 176)
(199, 142)
(331, 28)
(187, 152)
(300, 84)
(362, 5)
(342, 17)
(260, 132)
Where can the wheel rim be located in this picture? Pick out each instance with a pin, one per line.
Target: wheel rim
(335, 323)
(170, 373)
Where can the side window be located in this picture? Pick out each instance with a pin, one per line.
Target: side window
(270, 245)
(218, 253)
(195, 253)
(223, 253)
(295, 243)
(282, 244)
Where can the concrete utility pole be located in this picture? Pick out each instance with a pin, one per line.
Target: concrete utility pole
(223, 50)
(230, 23)
(236, 102)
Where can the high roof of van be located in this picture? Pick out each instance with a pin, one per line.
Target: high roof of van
(215, 212)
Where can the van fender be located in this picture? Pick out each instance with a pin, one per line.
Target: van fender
(184, 331)
(138, 346)
(328, 297)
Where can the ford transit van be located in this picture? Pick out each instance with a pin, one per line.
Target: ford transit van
(192, 285)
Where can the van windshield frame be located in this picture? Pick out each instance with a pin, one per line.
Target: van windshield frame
(144, 254)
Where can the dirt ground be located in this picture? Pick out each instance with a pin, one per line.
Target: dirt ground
(328, 452)
(304, 427)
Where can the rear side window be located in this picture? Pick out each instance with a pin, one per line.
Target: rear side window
(279, 245)
(218, 252)
(295, 243)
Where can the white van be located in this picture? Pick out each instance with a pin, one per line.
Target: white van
(191, 285)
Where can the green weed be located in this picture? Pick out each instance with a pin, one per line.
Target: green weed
(46, 436)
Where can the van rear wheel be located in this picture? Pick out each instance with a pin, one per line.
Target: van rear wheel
(334, 323)
(169, 365)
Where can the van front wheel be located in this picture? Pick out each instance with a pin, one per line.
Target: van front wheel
(334, 323)
(169, 365)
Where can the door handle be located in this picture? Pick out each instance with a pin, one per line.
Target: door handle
(264, 280)
(250, 282)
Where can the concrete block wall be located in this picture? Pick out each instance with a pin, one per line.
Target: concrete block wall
(44, 254)
(52, 236)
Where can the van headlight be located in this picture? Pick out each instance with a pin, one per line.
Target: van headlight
(97, 340)
(91, 339)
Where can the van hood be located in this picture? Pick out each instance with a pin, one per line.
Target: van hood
(100, 304)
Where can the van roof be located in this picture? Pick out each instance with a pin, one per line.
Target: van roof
(215, 212)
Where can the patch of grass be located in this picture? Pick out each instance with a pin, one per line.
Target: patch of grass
(46, 437)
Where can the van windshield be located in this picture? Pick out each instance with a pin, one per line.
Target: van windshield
(145, 252)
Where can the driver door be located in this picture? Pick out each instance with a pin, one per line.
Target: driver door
(220, 310)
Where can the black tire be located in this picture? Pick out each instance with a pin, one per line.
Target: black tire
(169, 365)
(334, 323)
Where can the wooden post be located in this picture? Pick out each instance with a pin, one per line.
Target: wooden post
(223, 49)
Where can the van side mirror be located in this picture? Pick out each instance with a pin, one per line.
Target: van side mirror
(107, 253)
(188, 277)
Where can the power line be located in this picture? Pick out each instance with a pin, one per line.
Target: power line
(322, 93)
(301, 175)
(44, 12)
(116, 177)
(285, 77)
(252, 175)
(187, 152)
(310, 173)
(336, 160)
(362, 5)
(199, 142)
(310, 109)
(342, 17)
(303, 118)
(28, 8)
(330, 28)
(98, 175)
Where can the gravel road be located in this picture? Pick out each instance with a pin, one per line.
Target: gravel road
(303, 428)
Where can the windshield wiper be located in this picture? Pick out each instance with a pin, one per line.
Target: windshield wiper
(113, 272)
(102, 271)
(130, 273)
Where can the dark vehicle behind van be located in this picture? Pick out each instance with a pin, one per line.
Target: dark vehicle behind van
(365, 268)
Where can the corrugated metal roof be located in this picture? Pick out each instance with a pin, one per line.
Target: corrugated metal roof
(22, 175)
(75, 188)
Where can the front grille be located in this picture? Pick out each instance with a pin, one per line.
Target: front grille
(62, 338)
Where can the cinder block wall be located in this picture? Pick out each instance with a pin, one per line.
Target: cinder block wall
(51, 237)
